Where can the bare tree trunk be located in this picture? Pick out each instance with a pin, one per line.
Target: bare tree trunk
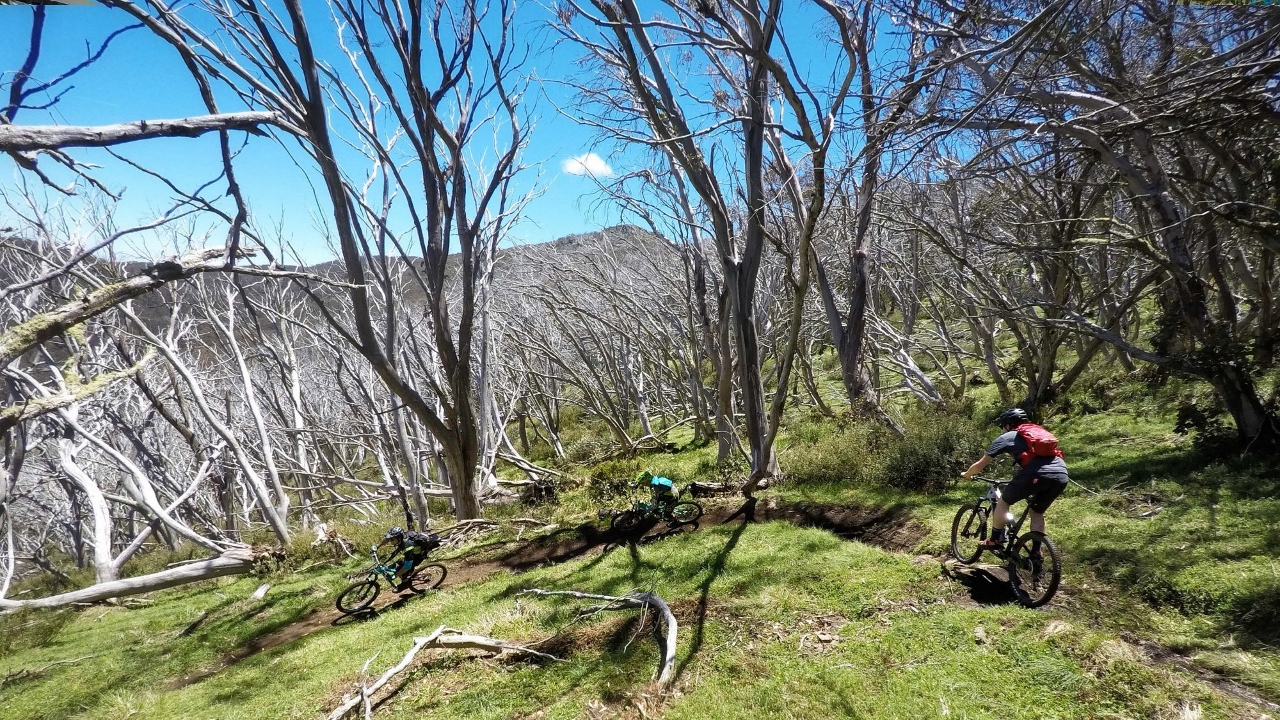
(232, 562)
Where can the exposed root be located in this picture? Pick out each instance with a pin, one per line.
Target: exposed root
(643, 601)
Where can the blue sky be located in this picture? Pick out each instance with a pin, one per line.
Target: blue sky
(141, 77)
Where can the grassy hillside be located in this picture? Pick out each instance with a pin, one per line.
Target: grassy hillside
(1170, 607)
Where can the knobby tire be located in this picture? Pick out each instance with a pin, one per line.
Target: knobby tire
(685, 513)
(626, 522)
(1035, 588)
(357, 597)
(427, 577)
(967, 531)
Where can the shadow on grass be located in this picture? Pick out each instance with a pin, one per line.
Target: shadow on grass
(847, 709)
(559, 546)
(748, 514)
(373, 613)
(1138, 466)
(987, 585)
(235, 626)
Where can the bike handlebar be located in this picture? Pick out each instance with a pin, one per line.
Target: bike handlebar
(989, 481)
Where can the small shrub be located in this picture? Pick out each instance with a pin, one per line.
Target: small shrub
(843, 455)
(828, 362)
(29, 628)
(611, 479)
(733, 470)
(808, 432)
(939, 444)
(1210, 435)
(937, 447)
(586, 448)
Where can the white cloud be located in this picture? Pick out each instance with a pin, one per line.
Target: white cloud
(589, 164)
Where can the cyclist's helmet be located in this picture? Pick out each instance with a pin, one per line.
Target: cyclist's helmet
(394, 532)
(1012, 416)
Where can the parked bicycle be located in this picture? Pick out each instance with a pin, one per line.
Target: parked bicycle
(359, 595)
(1031, 560)
(683, 512)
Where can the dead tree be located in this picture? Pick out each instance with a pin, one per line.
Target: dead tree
(655, 114)
(401, 109)
(1176, 104)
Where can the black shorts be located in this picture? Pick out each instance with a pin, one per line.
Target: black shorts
(1038, 489)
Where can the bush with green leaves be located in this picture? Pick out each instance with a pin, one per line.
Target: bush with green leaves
(841, 456)
(612, 479)
(732, 470)
(937, 446)
(586, 448)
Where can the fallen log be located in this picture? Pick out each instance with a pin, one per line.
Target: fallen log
(237, 561)
(443, 638)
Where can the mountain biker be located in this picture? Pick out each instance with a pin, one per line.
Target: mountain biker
(414, 545)
(663, 490)
(1040, 479)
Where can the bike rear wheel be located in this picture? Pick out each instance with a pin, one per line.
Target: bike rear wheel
(627, 521)
(1035, 570)
(357, 597)
(968, 530)
(684, 513)
(427, 577)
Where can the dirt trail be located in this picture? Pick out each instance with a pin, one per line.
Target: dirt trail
(890, 529)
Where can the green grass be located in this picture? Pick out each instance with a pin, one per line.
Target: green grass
(1160, 541)
(752, 599)
(1198, 576)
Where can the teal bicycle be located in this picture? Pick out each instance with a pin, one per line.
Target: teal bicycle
(359, 595)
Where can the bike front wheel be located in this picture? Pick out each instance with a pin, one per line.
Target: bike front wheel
(684, 513)
(1035, 570)
(427, 577)
(968, 531)
(626, 522)
(357, 597)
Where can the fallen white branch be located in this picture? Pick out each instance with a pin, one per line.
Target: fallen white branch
(636, 600)
(232, 562)
(467, 530)
(443, 638)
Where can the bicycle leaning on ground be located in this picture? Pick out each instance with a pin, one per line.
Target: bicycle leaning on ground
(1031, 560)
(359, 595)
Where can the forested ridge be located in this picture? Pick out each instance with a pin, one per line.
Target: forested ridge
(842, 238)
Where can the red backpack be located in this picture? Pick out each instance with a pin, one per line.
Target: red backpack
(1040, 443)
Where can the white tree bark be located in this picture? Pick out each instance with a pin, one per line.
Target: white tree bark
(444, 638)
(232, 562)
(27, 138)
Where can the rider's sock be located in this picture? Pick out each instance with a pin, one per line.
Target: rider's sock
(997, 535)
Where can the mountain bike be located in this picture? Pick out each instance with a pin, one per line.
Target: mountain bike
(359, 595)
(1031, 560)
(683, 512)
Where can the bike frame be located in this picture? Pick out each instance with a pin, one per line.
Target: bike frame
(1012, 532)
(380, 569)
